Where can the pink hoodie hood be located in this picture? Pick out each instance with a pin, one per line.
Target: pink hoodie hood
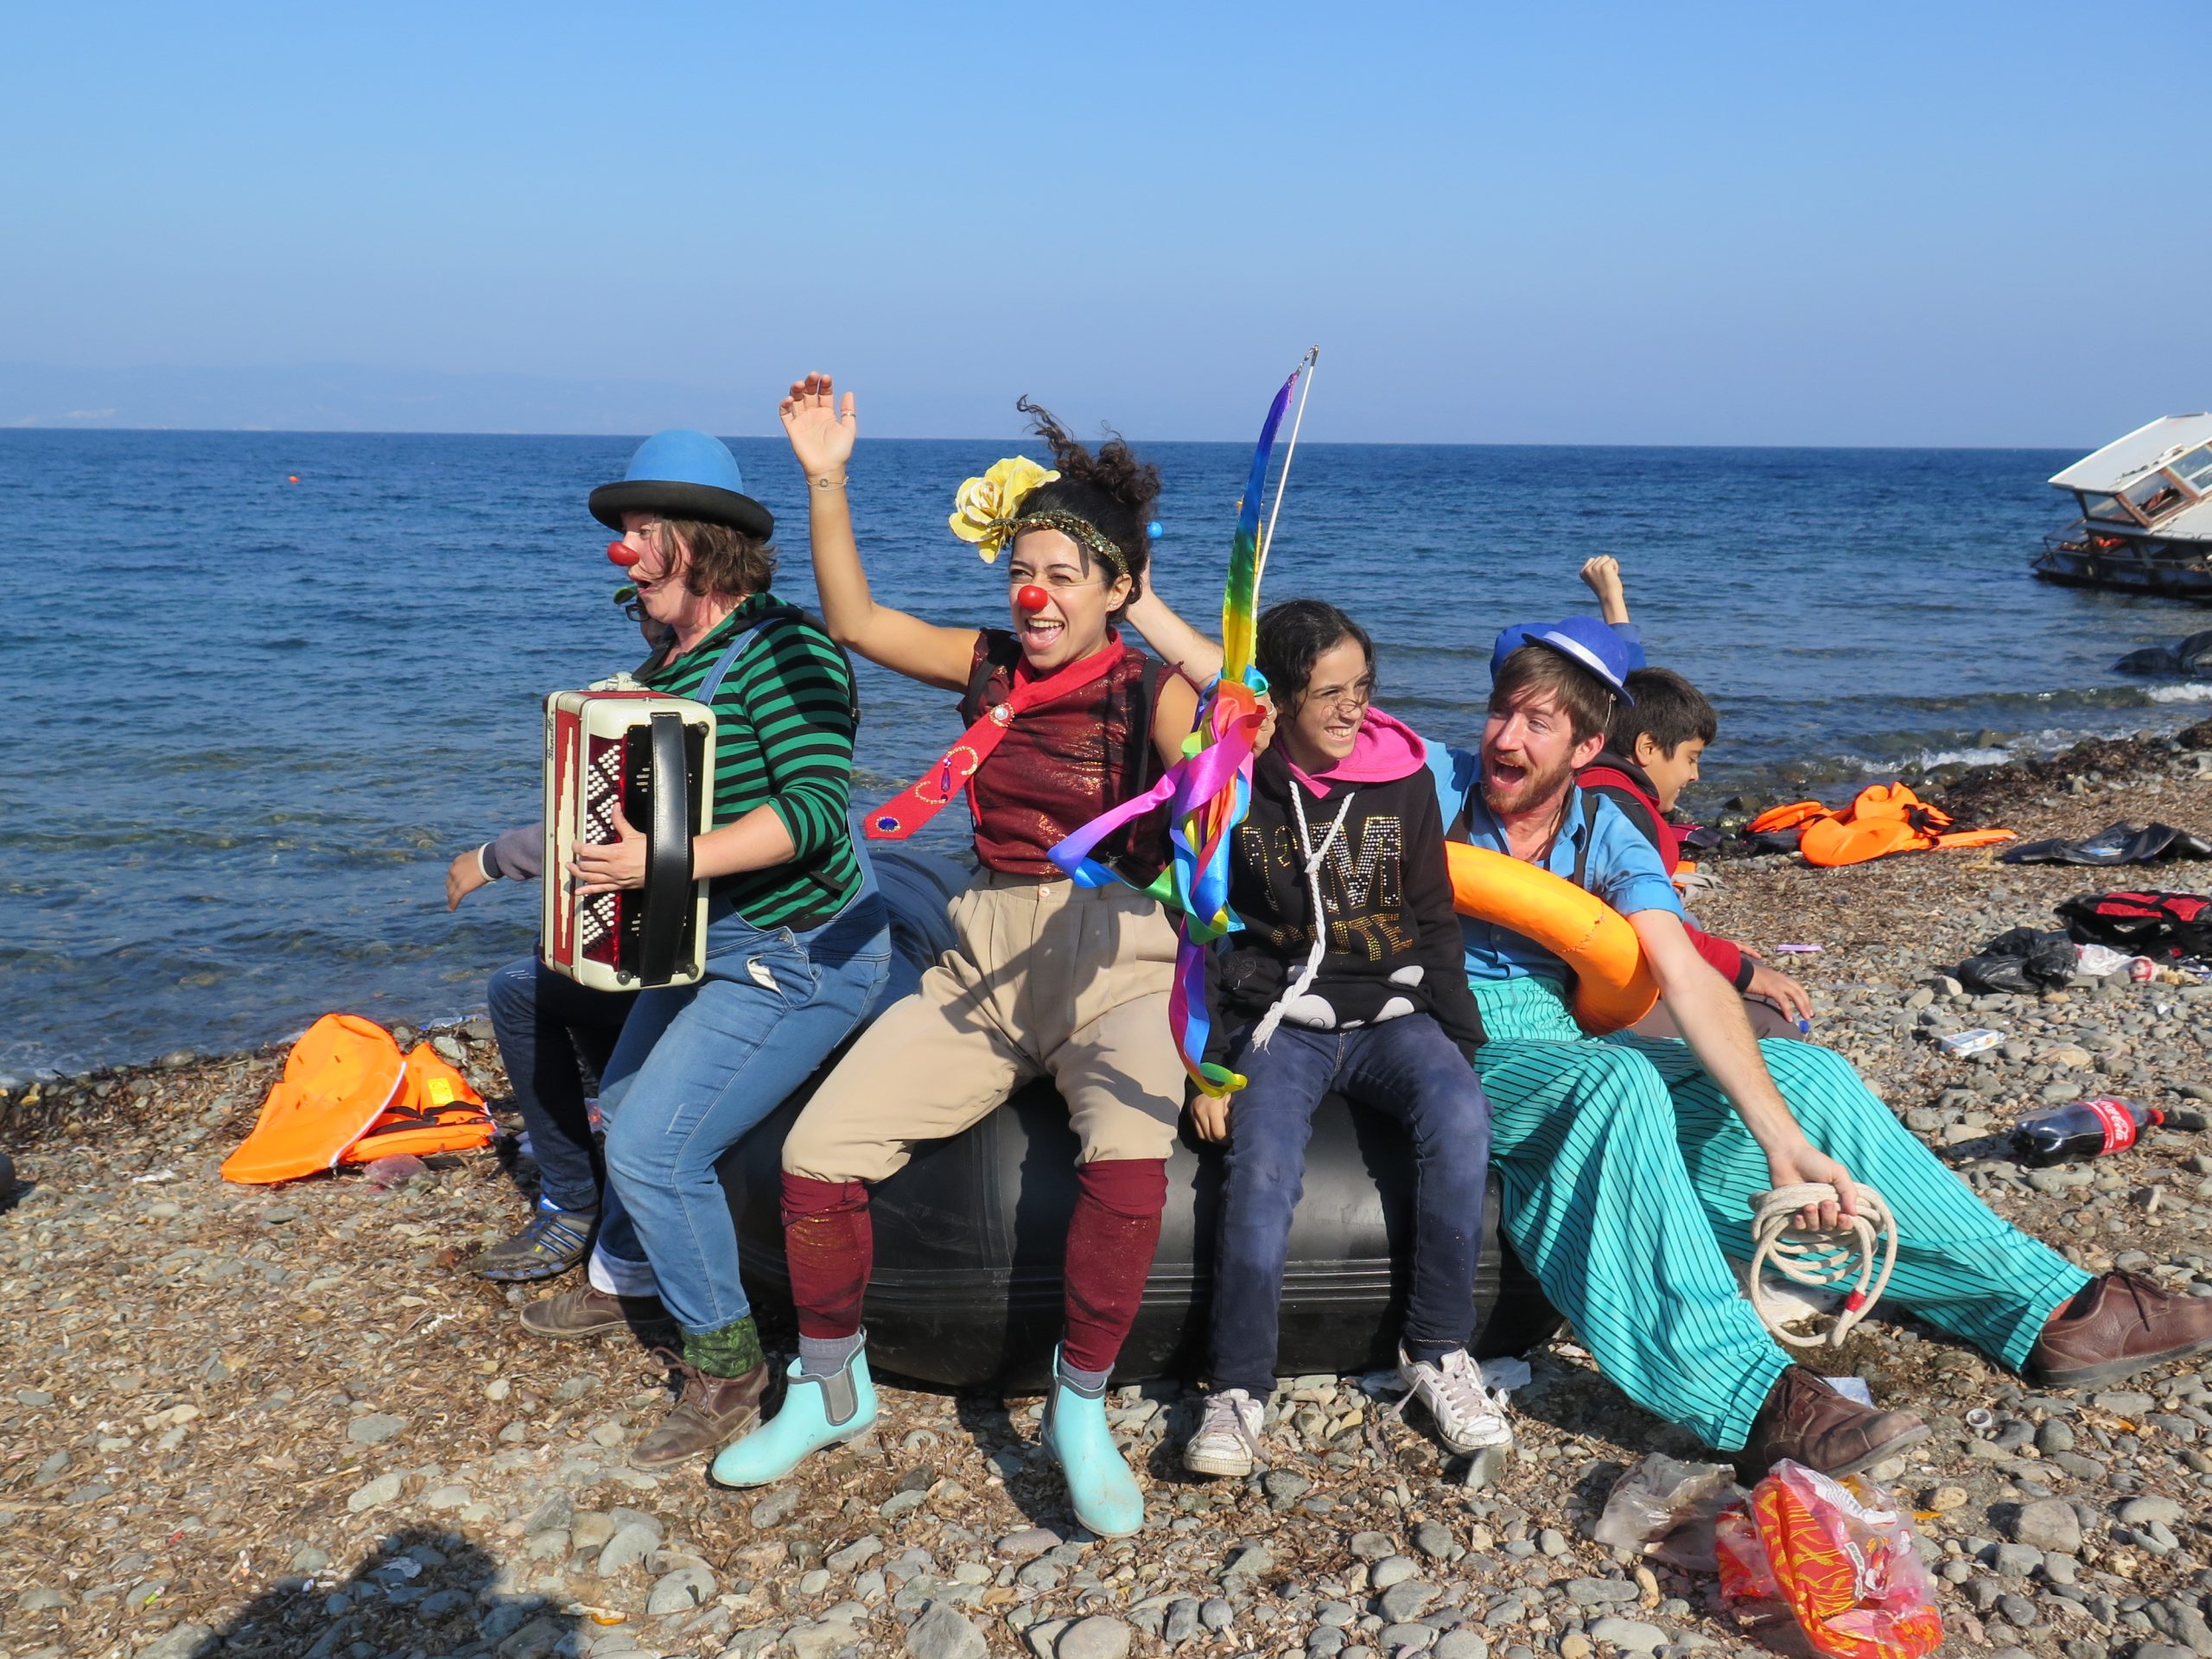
(1385, 751)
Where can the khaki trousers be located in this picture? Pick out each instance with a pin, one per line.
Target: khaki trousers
(1049, 979)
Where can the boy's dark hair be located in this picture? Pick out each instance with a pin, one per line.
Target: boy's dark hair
(1292, 638)
(1668, 710)
(1538, 672)
(1109, 489)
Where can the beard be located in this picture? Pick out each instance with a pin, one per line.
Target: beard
(1531, 790)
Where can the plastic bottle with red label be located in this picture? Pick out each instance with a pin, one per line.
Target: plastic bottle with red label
(2082, 1129)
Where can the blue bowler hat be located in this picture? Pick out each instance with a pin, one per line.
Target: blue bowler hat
(684, 475)
(1583, 640)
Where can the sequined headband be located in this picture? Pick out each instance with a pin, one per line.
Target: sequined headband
(1075, 529)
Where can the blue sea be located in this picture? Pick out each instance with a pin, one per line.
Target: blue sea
(252, 719)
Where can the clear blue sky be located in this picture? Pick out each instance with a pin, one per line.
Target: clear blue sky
(1857, 223)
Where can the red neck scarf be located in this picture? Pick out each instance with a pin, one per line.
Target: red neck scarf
(922, 800)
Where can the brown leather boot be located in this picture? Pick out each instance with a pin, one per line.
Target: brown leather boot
(2121, 1323)
(1808, 1423)
(710, 1413)
(587, 1311)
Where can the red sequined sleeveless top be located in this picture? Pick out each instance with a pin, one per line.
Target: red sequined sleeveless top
(1060, 766)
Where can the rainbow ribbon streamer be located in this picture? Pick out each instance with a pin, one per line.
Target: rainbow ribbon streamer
(1210, 790)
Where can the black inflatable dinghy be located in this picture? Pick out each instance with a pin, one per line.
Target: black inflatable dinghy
(969, 1238)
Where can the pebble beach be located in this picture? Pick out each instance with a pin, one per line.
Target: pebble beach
(286, 1421)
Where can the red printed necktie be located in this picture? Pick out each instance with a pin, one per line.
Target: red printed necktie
(922, 800)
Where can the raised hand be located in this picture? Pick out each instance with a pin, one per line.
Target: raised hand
(820, 431)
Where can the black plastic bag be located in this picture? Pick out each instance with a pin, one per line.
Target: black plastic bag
(2021, 962)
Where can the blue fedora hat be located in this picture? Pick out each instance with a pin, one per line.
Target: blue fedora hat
(1583, 640)
(684, 475)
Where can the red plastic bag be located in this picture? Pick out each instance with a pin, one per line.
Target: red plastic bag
(1839, 1558)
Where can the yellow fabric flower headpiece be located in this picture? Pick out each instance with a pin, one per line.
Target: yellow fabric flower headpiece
(984, 509)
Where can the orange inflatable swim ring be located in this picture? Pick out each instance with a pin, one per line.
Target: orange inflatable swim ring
(1613, 987)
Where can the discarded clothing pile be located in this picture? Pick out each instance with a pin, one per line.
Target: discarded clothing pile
(348, 1096)
(1883, 818)
(2116, 843)
(2020, 961)
(2167, 927)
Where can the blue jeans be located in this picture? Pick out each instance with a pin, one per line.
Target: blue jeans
(699, 1065)
(1406, 1068)
(550, 1030)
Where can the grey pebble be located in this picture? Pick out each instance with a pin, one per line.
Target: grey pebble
(1030, 1541)
(1434, 1540)
(181, 1641)
(2143, 1511)
(1391, 1569)
(631, 1543)
(853, 1554)
(1096, 1637)
(680, 1592)
(942, 1633)
(1215, 1613)
(1406, 1600)
(1632, 1634)
(1182, 1622)
(1372, 1545)
(378, 1425)
(2047, 1524)
(1461, 1645)
(383, 1489)
(775, 1508)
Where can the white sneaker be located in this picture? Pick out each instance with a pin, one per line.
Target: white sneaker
(1228, 1438)
(1468, 1416)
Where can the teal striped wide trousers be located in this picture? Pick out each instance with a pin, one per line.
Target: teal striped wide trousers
(1627, 1179)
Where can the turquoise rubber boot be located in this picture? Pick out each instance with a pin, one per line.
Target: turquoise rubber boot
(1100, 1486)
(818, 1411)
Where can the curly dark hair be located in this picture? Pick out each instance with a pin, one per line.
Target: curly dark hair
(723, 561)
(1107, 488)
(1293, 637)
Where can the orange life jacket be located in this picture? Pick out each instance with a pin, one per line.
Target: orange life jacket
(1885, 818)
(347, 1095)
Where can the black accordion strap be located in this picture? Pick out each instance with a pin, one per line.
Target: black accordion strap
(667, 895)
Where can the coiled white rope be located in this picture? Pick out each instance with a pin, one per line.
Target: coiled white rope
(1860, 1254)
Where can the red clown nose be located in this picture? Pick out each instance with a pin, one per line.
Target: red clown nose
(1032, 599)
(623, 554)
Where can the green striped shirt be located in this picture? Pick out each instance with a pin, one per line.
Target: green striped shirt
(783, 728)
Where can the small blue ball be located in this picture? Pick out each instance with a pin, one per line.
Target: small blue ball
(1154, 529)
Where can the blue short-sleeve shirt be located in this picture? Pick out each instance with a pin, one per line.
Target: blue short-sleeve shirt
(1622, 867)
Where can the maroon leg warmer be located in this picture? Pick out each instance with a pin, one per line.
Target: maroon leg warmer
(1111, 1237)
(829, 1245)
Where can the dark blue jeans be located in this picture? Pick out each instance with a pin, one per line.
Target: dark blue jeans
(1406, 1068)
(553, 1034)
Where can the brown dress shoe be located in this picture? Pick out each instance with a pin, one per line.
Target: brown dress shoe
(587, 1311)
(1808, 1423)
(2121, 1323)
(710, 1413)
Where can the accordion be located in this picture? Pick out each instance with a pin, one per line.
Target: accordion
(653, 757)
